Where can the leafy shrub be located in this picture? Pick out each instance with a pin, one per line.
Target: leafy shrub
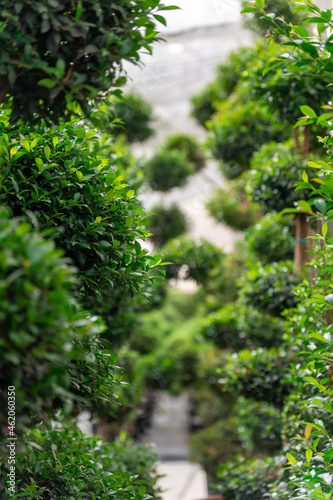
(51, 352)
(199, 257)
(251, 478)
(188, 145)
(172, 368)
(233, 207)
(270, 288)
(276, 168)
(168, 169)
(63, 463)
(260, 375)
(237, 327)
(215, 445)
(271, 239)
(221, 327)
(55, 178)
(258, 329)
(259, 425)
(69, 54)
(281, 8)
(238, 130)
(166, 223)
(136, 116)
(119, 153)
(229, 74)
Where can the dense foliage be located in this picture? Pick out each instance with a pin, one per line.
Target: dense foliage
(189, 145)
(238, 130)
(271, 239)
(55, 53)
(166, 223)
(63, 463)
(280, 9)
(168, 169)
(275, 169)
(199, 258)
(67, 366)
(232, 206)
(135, 115)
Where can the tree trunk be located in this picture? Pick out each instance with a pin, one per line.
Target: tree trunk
(306, 142)
(301, 229)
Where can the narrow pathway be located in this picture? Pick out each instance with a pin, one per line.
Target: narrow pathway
(169, 438)
(197, 40)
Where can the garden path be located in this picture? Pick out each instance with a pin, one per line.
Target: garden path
(198, 38)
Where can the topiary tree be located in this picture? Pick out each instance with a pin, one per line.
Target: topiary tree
(259, 375)
(55, 178)
(188, 145)
(275, 169)
(270, 288)
(135, 115)
(250, 478)
(199, 257)
(271, 239)
(55, 53)
(166, 223)
(51, 352)
(167, 169)
(236, 327)
(229, 74)
(238, 130)
(232, 206)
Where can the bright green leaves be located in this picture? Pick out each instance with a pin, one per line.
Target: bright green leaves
(85, 201)
(53, 56)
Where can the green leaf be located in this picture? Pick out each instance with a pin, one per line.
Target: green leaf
(261, 3)
(160, 19)
(47, 152)
(130, 193)
(249, 9)
(321, 205)
(291, 459)
(90, 134)
(80, 133)
(308, 455)
(129, 221)
(47, 82)
(305, 176)
(169, 7)
(324, 230)
(79, 175)
(307, 111)
(26, 145)
(300, 31)
(305, 207)
(39, 164)
(142, 490)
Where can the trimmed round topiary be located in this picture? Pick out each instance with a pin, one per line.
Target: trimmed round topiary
(136, 116)
(166, 223)
(233, 207)
(198, 256)
(168, 169)
(188, 145)
(275, 169)
(271, 239)
(238, 129)
(270, 288)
